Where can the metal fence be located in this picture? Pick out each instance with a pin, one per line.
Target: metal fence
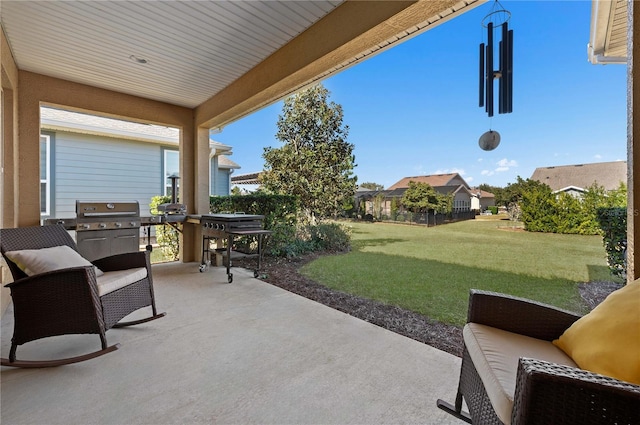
(429, 219)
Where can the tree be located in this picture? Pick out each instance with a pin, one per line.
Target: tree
(372, 186)
(316, 162)
(420, 197)
(498, 192)
(514, 192)
(537, 206)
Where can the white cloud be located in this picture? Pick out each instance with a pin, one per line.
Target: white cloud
(487, 173)
(450, 171)
(501, 169)
(479, 159)
(507, 163)
(469, 179)
(597, 156)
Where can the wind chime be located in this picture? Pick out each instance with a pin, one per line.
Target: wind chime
(497, 21)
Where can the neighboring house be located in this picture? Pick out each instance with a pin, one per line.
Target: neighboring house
(575, 179)
(481, 199)
(446, 184)
(87, 157)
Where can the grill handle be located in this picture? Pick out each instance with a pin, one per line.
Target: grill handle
(110, 214)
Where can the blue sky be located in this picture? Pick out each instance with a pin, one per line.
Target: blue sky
(413, 109)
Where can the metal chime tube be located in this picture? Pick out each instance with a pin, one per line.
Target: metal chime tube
(502, 95)
(481, 77)
(509, 76)
(489, 69)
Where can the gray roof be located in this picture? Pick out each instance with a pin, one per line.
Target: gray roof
(581, 176)
(225, 162)
(248, 178)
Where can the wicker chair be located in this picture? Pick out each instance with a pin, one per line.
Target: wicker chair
(69, 301)
(545, 392)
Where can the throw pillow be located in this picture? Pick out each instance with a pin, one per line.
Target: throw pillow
(607, 340)
(36, 261)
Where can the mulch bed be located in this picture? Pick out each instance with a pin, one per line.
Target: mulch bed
(283, 272)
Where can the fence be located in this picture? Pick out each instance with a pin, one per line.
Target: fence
(431, 218)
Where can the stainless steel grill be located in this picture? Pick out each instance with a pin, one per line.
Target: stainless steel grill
(107, 228)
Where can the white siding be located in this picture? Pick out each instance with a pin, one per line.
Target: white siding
(98, 168)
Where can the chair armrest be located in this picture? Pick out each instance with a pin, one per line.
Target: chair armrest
(128, 260)
(55, 303)
(74, 275)
(518, 315)
(551, 393)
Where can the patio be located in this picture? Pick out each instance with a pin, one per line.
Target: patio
(246, 352)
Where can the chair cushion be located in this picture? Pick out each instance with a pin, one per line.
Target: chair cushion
(112, 281)
(607, 340)
(36, 261)
(495, 354)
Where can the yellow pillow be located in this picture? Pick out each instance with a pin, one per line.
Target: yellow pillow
(607, 340)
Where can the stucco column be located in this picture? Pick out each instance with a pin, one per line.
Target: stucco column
(27, 199)
(194, 172)
(633, 148)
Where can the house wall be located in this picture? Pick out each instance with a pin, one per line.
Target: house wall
(96, 168)
(487, 202)
(220, 181)
(458, 181)
(461, 201)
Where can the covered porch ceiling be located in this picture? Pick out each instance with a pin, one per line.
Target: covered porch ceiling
(191, 53)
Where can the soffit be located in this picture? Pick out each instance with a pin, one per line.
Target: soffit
(608, 38)
(194, 49)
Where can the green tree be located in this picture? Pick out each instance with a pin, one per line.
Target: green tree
(420, 197)
(514, 192)
(316, 162)
(536, 204)
(372, 186)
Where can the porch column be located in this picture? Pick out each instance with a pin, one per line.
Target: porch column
(633, 148)
(194, 166)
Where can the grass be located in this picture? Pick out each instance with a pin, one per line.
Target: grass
(430, 270)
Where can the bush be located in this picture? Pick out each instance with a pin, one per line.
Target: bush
(166, 236)
(289, 241)
(493, 209)
(613, 222)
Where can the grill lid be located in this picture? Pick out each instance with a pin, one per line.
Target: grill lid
(87, 210)
(107, 215)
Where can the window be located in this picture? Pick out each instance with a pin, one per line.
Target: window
(45, 174)
(171, 167)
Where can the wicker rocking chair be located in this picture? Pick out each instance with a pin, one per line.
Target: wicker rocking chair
(72, 300)
(547, 391)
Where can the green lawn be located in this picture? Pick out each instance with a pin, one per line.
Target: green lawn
(430, 270)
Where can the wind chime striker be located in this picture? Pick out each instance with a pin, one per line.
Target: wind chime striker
(496, 23)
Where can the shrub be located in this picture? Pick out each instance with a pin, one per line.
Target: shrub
(493, 209)
(613, 222)
(166, 236)
(289, 241)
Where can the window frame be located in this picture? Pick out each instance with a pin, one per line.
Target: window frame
(47, 139)
(166, 184)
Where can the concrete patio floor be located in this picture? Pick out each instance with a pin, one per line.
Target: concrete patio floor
(240, 353)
